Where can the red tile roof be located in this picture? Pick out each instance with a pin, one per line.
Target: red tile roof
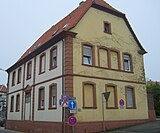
(68, 23)
(3, 89)
(153, 82)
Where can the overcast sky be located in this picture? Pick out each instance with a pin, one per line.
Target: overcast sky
(22, 22)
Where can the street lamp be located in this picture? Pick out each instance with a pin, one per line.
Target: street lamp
(106, 96)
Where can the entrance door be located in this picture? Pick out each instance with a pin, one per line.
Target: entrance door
(28, 106)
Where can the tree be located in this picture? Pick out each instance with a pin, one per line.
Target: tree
(154, 87)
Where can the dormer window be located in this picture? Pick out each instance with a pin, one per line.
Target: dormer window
(107, 27)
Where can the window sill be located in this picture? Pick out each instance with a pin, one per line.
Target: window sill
(52, 108)
(118, 70)
(13, 85)
(28, 78)
(51, 68)
(18, 82)
(111, 107)
(108, 33)
(130, 107)
(128, 71)
(17, 111)
(41, 72)
(89, 107)
(41, 109)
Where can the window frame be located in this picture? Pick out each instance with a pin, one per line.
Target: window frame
(13, 78)
(43, 55)
(19, 78)
(108, 57)
(12, 104)
(18, 103)
(115, 96)
(40, 98)
(29, 70)
(133, 97)
(105, 23)
(130, 64)
(51, 60)
(118, 59)
(92, 52)
(50, 96)
(94, 95)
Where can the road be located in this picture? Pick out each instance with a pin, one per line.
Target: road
(151, 127)
(2, 130)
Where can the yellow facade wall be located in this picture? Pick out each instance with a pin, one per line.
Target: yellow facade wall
(90, 29)
(141, 111)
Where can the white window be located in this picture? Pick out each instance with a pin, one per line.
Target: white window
(29, 70)
(127, 62)
(87, 55)
(42, 63)
(41, 98)
(130, 100)
(53, 96)
(53, 58)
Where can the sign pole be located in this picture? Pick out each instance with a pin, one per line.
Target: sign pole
(103, 114)
(64, 120)
(106, 96)
(72, 129)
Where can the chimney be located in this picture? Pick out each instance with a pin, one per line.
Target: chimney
(81, 3)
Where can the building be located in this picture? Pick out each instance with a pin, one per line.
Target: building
(90, 51)
(153, 83)
(3, 97)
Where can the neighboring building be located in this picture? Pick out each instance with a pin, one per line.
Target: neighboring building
(3, 97)
(153, 82)
(90, 51)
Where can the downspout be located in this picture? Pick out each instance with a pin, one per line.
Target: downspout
(63, 86)
(63, 73)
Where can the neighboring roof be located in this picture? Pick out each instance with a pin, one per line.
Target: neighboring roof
(71, 21)
(153, 82)
(3, 89)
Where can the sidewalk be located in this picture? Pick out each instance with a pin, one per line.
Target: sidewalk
(150, 127)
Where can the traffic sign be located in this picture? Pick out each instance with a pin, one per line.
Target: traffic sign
(72, 111)
(64, 97)
(121, 102)
(72, 121)
(72, 104)
(64, 102)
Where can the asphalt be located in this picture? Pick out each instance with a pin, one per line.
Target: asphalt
(2, 130)
(150, 127)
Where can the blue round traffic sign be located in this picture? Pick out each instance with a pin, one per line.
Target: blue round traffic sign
(72, 104)
(72, 121)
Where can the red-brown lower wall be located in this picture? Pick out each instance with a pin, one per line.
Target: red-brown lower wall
(151, 115)
(81, 127)
(34, 126)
